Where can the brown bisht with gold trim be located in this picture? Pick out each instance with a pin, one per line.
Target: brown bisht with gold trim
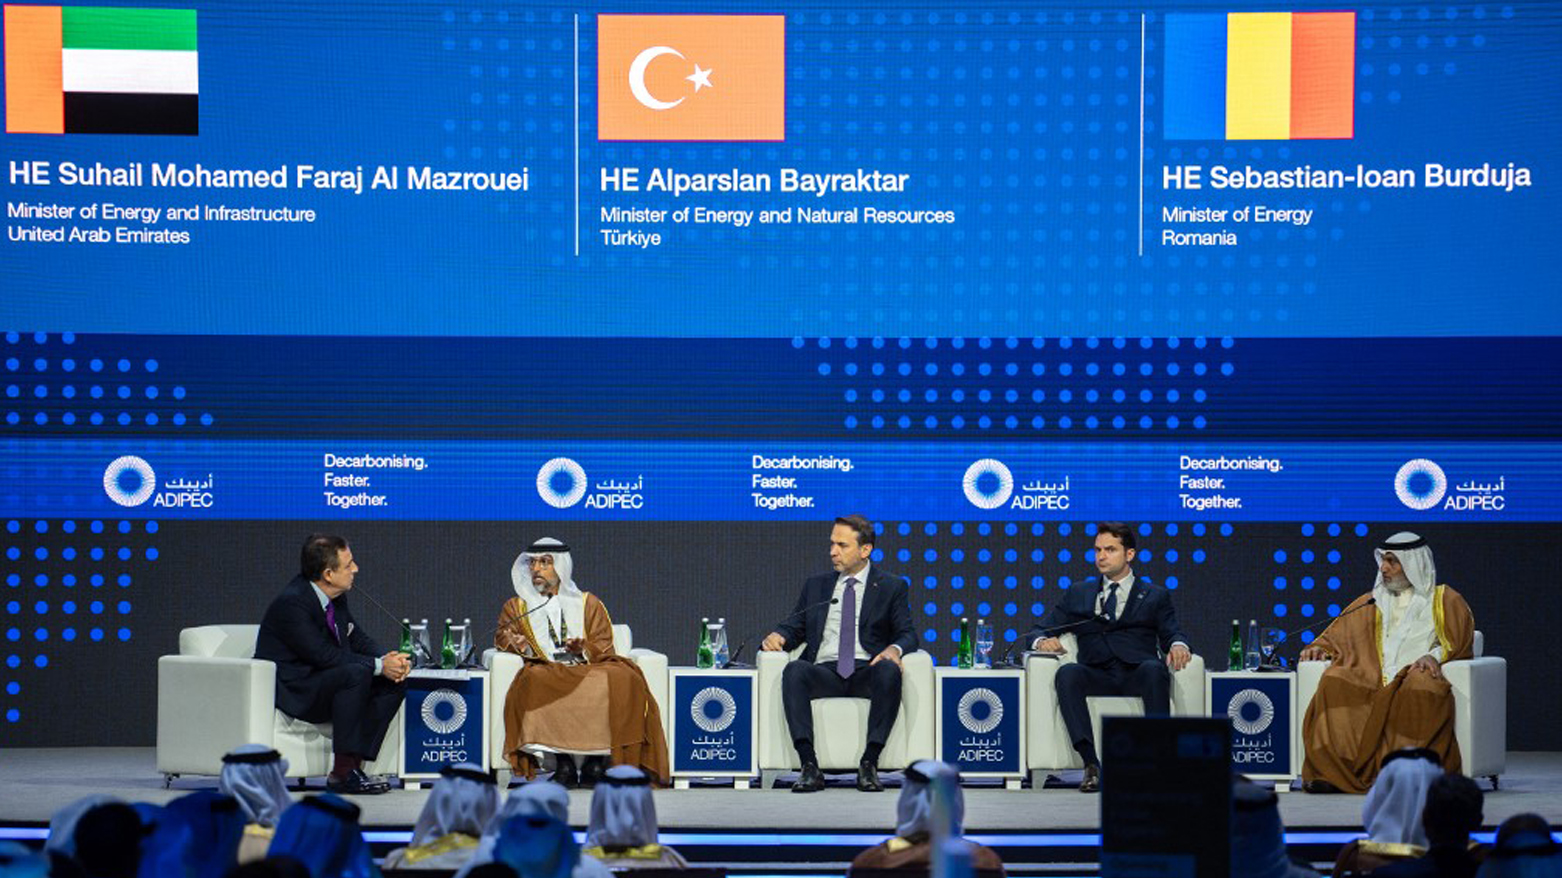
(603, 704)
(1355, 719)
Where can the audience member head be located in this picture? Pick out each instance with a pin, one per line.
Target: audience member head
(537, 846)
(1257, 835)
(623, 814)
(62, 826)
(1526, 822)
(197, 835)
(536, 797)
(322, 833)
(1392, 811)
(256, 775)
(542, 797)
(108, 840)
(1453, 809)
(464, 800)
(1524, 849)
(914, 811)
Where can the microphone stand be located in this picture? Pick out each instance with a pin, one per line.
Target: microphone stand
(1276, 666)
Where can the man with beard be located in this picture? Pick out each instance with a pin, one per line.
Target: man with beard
(1385, 689)
(575, 698)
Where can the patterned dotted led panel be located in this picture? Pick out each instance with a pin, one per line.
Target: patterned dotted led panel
(49, 382)
(68, 585)
(1024, 386)
(997, 572)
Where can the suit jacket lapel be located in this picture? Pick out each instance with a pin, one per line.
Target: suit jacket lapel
(870, 598)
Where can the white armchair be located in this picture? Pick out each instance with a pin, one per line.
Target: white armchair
(1480, 687)
(1047, 746)
(503, 666)
(841, 724)
(215, 695)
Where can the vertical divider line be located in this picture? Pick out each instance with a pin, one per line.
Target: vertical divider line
(1141, 134)
(577, 134)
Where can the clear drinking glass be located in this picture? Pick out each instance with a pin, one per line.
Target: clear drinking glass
(984, 645)
(1269, 645)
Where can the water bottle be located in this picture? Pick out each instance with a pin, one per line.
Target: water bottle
(704, 658)
(420, 645)
(447, 650)
(718, 639)
(967, 647)
(1234, 658)
(464, 648)
(1251, 657)
(406, 639)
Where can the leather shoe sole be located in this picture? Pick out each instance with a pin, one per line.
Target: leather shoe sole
(868, 779)
(1092, 781)
(1320, 787)
(355, 786)
(812, 780)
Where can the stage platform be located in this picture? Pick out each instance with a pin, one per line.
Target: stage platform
(1052, 831)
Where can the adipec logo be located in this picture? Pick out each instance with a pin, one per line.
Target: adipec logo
(713, 699)
(988, 483)
(561, 482)
(1420, 484)
(447, 698)
(129, 481)
(1251, 712)
(980, 710)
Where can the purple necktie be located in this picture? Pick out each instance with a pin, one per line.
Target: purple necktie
(330, 620)
(846, 659)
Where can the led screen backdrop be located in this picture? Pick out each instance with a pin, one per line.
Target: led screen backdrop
(680, 284)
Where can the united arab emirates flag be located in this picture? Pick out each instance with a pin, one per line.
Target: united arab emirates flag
(100, 70)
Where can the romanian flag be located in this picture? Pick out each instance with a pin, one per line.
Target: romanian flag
(691, 77)
(100, 70)
(1260, 76)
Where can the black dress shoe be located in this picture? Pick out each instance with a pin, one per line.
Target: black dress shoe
(356, 783)
(1092, 781)
(592, 770)
(1320, 786)
(868, 777)
(812, 780)
(565, 774)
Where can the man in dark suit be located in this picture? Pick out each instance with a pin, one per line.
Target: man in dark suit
(1123, 626)
(328, 668)
(854, 625)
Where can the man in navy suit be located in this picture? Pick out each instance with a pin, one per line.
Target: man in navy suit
(328, 668)
(854, 625)
(1127, 638)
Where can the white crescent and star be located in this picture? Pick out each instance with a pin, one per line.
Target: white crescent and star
(700, 78)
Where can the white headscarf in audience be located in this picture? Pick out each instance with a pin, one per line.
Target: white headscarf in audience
(322, 833)
(1258, 836)
(1392, 811)
(914, 810)
(62, 826)
(623, 814)
(463, 800)
(537, 846)
(539, 797)
(255, 775)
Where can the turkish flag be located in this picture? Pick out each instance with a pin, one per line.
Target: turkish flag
(691, 77)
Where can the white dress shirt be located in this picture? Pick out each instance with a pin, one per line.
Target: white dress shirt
(325, 601)
(830, 641)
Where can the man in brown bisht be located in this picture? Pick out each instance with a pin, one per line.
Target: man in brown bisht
(575, 699)
(1386, 690)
